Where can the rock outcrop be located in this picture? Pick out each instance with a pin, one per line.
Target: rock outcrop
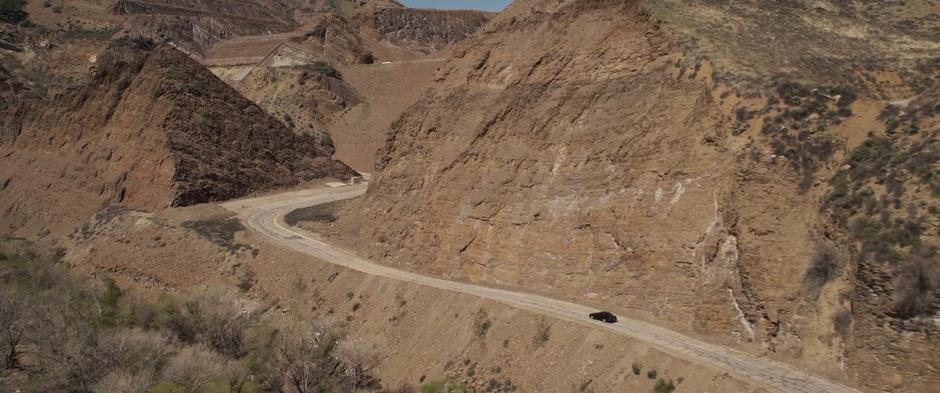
(196, 26)
(149, 128)
(587, 149)
(425, 30)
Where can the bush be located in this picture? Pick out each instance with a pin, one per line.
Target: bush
(918, 285)
(195, 367)
(223, 322)
(165, 346)
(220, 231)
(446, 385)
(359, 357)
(664, 386)
(842, 323)
(542, 333)
(481, 323)
(323, 68)
(637, 368)
(11, 11)
(651, 374)
(823, 268)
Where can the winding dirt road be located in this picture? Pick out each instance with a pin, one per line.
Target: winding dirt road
(266, 215)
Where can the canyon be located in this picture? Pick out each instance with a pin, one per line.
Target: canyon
(758, 177)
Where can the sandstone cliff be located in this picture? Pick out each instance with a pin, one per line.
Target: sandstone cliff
(197, 25)
(590, 150)
(149, 128)
(425, 30)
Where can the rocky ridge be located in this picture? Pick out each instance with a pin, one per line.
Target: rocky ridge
(585, 149)
(149, 128)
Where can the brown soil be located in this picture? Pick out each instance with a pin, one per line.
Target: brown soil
(387, 91)
(159, 251)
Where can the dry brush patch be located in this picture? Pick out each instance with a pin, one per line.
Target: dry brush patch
(60, 331)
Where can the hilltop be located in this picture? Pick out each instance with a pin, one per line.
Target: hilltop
(149, 128)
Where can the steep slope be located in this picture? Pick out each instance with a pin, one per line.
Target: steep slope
(425, 30)
(149, 128)
(585, 149)
(387, 91)
(196, 25)
(307, 97)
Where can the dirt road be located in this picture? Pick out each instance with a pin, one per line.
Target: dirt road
(266, 214)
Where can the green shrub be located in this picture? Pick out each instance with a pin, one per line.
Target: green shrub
(109, 313)
(446, 385)
(664, 386)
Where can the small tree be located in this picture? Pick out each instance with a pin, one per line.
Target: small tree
(303, 357)
(223, 322)
(12, 330)
(359, 358)
(197, 366)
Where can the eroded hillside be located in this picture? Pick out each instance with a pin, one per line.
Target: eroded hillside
(149, 128)
(586, 149)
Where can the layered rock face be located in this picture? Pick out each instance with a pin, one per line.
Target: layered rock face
(150, 128)
(197, 25)
(426, 30)
(564, 153)
(578, 148)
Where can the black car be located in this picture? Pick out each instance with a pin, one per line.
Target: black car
(603, 316)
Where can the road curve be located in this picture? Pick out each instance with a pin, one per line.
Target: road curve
(266, 216)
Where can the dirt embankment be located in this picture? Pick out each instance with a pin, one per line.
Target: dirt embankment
(423, 334)
(149, 128)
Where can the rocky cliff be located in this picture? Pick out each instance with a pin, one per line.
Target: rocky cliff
(197, 25)
(425, 30)
(149, 128)
(594, 150)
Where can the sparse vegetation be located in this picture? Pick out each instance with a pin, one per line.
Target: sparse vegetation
(823, 268)
(324, 213)
(481, 323)
(321, 68)
(842, 323)
(871, 198)
(221, 231)
(446, 385)
(664, 386)
(11, 11)
(797, 122)
(637, 368)
(59, 332)
(76, 33)
(542, 333)
(651, 374)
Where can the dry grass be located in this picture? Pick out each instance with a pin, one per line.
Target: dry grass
(836, 43)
